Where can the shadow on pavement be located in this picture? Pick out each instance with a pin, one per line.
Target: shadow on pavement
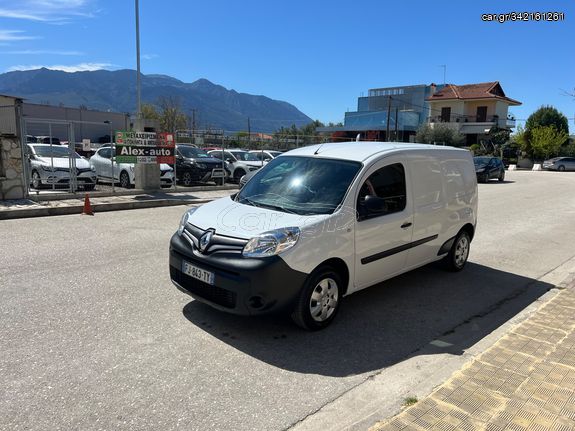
(384, 324)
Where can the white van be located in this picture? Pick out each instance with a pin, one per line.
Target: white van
(324, 221)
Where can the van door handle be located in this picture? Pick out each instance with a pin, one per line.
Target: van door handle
(405, 225)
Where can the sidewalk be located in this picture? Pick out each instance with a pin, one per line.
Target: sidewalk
(49, 205)
(525, 381)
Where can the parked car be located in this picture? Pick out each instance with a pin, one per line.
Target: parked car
(195, 164)
(560, 164)
(123, 173)
(265, 155)
(50, 165)
(324, 221)
(46, 140)
(239, 162)
(246, 178)
(487, 168)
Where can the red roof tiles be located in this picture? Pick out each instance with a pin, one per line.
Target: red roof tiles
(484, 90)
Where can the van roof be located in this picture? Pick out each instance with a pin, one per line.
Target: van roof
(360, 150)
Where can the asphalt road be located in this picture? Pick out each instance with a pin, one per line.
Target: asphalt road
(94, 335)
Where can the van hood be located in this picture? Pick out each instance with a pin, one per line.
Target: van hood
(63, 162)
(245, 221)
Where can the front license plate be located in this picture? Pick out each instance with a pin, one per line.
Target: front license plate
(217, 173)
(198, 273)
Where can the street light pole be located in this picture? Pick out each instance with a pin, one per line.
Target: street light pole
(113, 151)
(138, 84)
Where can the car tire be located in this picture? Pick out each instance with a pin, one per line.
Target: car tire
(89, 187)
(124, 180)
(238, 174)
(561, 168)
(187, 179)
(457, 257)
(36, 181)
(319, 299)
(501, 176)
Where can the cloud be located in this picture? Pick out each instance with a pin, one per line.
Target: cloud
(14, 35)
(82, 67)
(51, 11)
(42, 51)
(149, 56)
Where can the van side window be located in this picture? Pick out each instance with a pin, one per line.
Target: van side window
(387, 184)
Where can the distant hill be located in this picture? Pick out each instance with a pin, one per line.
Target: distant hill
(105, 90)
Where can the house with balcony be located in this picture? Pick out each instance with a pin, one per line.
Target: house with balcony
(472, 109)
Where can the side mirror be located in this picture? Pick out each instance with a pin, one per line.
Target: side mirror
(375, 205)
(229, 160)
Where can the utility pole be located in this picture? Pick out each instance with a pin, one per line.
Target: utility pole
(193, 126)
(388, 118)
(249, 133)
(395, 134)
(138, 84)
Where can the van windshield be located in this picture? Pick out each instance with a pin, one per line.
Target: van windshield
(300, 185)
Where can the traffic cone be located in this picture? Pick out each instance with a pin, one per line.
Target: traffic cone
(87, 207)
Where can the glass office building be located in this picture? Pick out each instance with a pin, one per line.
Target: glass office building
(404, 107)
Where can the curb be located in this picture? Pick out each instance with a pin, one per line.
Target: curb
(78, 195)
(103, 207)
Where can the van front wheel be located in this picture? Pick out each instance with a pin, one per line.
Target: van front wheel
(457, 257)
(319, 300)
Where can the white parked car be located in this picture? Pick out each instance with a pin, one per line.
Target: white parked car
(324, 221)
(265, 155)
(50, 165)
(239, 162)
(123, 173)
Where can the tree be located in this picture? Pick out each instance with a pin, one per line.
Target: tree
(438, 134)
(172, 117)
(149, 112)
(547, 116)
(519, 138)
(546, 141)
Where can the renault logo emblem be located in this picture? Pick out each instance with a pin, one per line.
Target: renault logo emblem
(205, 240)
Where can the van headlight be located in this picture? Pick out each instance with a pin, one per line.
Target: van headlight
(272, 242)
(185, 219)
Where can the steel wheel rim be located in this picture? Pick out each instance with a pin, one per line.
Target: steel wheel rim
(461, 251)
(323, 300)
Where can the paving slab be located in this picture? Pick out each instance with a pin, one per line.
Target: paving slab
(525, 381)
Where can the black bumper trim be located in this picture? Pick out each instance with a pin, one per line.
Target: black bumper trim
(395, 250)
(245, 286)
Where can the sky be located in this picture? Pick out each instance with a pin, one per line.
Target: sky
(318, 55)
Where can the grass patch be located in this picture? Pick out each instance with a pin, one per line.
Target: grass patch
(409, 401)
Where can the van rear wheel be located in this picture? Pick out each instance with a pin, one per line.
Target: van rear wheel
(457, 256)
(319, 299)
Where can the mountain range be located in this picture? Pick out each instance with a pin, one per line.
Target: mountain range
(214, 105)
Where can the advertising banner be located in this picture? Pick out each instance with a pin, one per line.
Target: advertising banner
(145, 147)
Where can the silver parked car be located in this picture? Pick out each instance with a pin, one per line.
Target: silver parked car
(560, 164)
(50, 165)
(123, 173)
(239, 162)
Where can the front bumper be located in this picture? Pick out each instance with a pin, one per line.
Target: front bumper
(243, 286)
(63, 177)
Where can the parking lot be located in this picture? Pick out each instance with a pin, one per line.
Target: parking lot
(95, 336)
